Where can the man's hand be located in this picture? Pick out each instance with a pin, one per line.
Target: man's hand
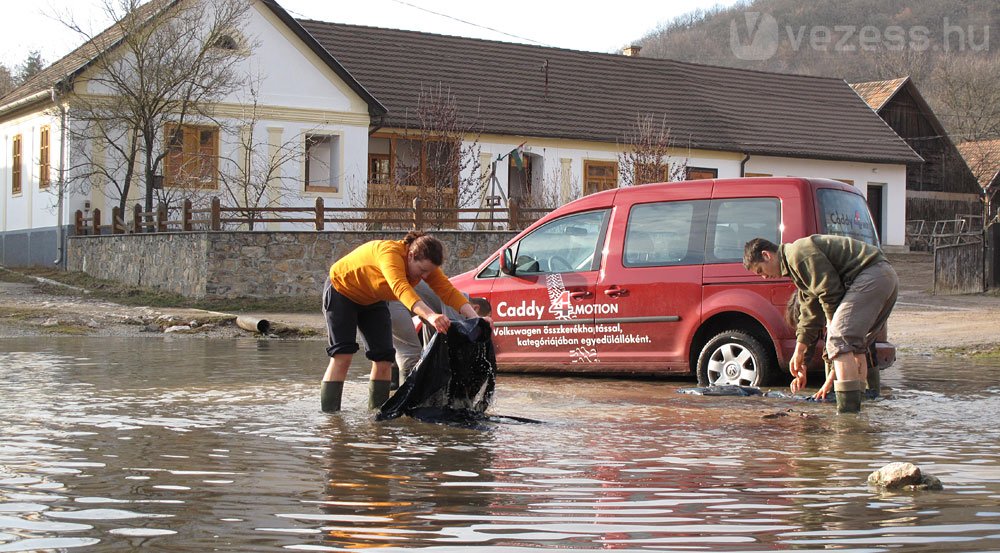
(827, 386)
(797, 366)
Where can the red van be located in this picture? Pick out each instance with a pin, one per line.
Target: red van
(650, 279)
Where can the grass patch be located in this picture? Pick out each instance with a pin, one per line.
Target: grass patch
(137, 296)
(975, 352)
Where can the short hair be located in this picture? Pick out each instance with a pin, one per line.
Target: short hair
(482, 307)
(752, 251)
(424, 246)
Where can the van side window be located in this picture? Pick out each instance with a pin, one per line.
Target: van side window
(666, 233)
(845, 214)
(734, 222)
(492, 270)
(565, 245)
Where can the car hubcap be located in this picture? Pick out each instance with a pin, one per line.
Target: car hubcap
(732, 364)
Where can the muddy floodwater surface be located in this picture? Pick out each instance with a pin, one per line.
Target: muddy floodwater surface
(190, 445)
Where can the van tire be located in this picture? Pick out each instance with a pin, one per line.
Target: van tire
(733, 357)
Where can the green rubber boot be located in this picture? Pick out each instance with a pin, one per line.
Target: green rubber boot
(378, 393)
(874, 383)
(329, 396)
(848, 395)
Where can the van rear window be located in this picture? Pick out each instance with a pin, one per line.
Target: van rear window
(845, 214)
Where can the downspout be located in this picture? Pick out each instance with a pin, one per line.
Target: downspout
(743, 164)
(60, 234)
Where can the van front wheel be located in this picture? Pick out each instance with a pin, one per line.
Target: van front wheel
(734, 358)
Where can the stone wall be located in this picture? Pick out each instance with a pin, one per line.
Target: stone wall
(258, 264)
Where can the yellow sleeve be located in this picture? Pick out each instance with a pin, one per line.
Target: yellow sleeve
(393, 267)
(444, 289)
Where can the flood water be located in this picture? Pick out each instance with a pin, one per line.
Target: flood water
(192, 445)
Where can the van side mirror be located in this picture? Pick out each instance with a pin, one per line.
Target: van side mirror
(507, 262)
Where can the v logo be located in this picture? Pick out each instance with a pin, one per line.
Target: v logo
(762, 34)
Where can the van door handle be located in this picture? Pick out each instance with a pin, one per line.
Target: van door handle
(580, 295)
(614, 291)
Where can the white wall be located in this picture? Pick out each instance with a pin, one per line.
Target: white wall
(862, 174)
(33, 207)
(892, 176)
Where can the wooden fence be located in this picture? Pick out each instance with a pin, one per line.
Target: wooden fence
(958, 268)
(217, 217)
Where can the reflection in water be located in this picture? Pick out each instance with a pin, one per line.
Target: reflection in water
(192, 445)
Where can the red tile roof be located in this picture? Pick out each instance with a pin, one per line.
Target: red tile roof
(983, 158)
(877, 93)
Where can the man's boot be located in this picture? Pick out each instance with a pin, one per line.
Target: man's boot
(378, 393)
(848, 395)
(330, 393)
(874, 383)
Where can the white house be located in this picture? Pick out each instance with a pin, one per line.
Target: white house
(339, 100)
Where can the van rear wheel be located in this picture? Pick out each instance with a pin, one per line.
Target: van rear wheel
(735, 358)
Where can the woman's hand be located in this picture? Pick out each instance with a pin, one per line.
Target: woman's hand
(439, 322)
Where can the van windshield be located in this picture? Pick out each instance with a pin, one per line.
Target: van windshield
(845, 214)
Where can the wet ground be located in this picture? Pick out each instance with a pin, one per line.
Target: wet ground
(186, 445)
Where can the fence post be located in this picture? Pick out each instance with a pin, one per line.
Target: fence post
(320, 214)
(418, 213)
(116, 215)
(513, 215)
(186, 215)
(79, 222)
(216, 214)
(97, 221)
(137, 223)
(161, 218)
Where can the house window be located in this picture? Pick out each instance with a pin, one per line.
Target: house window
(646, 173)
(15, 172)
(599, 175)
(757, 175)
(322, 163)
(698, 173)
(378, 168)
(192, 156)
(43, 158)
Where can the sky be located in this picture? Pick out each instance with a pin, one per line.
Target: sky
(593, 25)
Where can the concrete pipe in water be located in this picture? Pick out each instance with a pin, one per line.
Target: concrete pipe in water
(253, 325)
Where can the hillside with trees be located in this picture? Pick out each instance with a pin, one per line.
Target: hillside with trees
(944, 46)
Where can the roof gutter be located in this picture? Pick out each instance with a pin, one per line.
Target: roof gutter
(743, 164)
(27, 100)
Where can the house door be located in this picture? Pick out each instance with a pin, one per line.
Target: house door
(875, 206)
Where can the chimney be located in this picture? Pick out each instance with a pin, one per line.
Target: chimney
(631, 51)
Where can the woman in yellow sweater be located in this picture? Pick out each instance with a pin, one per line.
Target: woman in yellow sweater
(355, 298)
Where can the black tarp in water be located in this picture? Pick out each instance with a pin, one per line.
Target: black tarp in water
(454, 380)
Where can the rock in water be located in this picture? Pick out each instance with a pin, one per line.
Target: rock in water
(903, 475)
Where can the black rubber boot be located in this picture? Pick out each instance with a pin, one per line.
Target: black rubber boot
(378, 393)
(848, 395)
(329, 396)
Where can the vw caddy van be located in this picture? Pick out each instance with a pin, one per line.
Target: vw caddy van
(650, 279)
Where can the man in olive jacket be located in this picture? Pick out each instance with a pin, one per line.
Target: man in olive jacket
(843, 284)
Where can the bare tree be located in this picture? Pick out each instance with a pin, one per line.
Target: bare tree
(645, 155)
(159, 63)
(966, 96)
(436, 160)
(254, 176)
